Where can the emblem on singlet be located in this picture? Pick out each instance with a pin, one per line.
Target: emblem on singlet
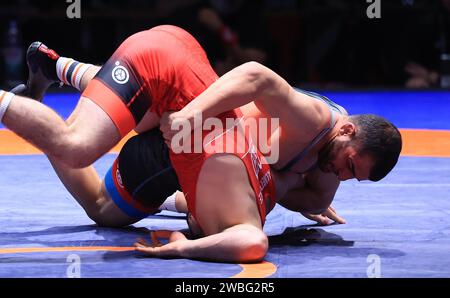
(119, 178)
(120, 74)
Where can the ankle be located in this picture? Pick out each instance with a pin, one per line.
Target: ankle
(71, 72)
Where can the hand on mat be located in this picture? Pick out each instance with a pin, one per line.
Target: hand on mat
(157, 249)
(326, 218)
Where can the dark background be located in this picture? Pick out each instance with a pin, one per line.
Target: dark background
(318, 43)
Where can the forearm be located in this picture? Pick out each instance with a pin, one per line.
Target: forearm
(314, 196)
(305, 200)
(237, 244)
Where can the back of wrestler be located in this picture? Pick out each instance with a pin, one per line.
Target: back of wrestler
(152, 72)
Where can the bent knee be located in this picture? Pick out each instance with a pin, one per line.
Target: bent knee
(77, 161)
(77, 153)
(84, 142)
(98, 219)
(103, 221)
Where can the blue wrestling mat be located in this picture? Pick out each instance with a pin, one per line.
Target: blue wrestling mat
(399, 227)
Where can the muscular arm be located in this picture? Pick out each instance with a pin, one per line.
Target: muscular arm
(315, 196)
(240, 243)
(245, 83)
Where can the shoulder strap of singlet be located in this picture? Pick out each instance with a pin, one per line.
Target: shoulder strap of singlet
(334, 108)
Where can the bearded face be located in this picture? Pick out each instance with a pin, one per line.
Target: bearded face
(341, 157)
(333, 156)
(328, 154)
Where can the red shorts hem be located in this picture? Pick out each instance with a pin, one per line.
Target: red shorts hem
(111, 103)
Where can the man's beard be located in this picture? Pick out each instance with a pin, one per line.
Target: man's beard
(327, 154)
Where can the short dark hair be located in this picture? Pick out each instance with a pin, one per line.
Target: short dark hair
(381, 140)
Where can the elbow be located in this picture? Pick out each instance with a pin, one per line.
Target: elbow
(255, 249)
(252, 68)
(253, 71)
(258, 251)
(256, 75)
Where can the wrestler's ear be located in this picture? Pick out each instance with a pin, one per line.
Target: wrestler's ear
(347, 129)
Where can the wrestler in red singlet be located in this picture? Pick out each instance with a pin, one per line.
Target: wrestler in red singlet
(163, 69)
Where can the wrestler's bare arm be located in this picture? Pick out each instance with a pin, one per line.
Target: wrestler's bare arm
(315, 196)
(245, 83)
(252, 83)
(240, 243)
(240, 86)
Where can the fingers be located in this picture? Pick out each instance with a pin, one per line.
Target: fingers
(326, 218)
(165, 126)
(155, 235)
(323, 220)
(167, 250)
(331, 214)
(166, 133)
(142, 242)
(139, 245)
(142, 248)
(155, 240)
(172, 124)
(167, 136)
(319, 218)
(150, 251)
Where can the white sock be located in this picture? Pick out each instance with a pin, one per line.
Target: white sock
(5, 100)
(70, 71)
(169, 203)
